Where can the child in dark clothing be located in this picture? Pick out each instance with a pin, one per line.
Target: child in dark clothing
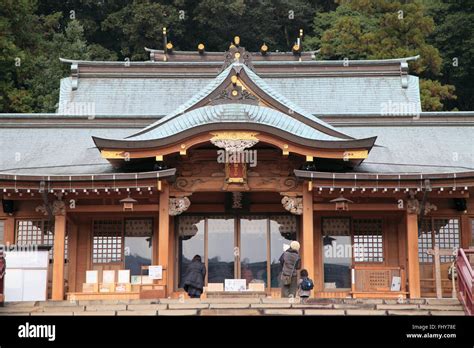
(303, 284)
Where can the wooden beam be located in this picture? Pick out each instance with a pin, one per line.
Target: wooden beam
(9, 230)
(412, 253)
(163, 232)
(308, 232)
(466, 232)
(72, 240)
(359, 207)
(318, 255)
(58, 257)
(96, 208)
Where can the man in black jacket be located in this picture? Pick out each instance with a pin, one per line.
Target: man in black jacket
(290, 262)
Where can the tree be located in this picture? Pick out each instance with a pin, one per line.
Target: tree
(139, 24)
(31, 47)
(454, 37)
(380, 29)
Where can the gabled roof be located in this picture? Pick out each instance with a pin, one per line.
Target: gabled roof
(212, 90)
(260, 107)
(321, 87)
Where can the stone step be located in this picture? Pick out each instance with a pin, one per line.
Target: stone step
(283, 312)
(185, 312)
(229, 305)
(16, 309)
(457, 313)
(146, 307)
(442, 301)
(457, 307)
(63, 309)
(137, 313)
(313, 305)
(408, 312)
(104, 307)
(230, 312)
(398, 306)
(100, 313)
(365, 312)
(53, 313)
(270, 305)
(190, 305)
(324, 312)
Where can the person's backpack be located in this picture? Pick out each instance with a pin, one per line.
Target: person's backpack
(307, 284)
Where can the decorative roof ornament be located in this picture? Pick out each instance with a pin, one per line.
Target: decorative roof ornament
(413, 205)
(293, 204)
(178, 205)
(234, 141)
(237, 54)
(58, 207)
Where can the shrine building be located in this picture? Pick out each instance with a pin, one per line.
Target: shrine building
(232, 155)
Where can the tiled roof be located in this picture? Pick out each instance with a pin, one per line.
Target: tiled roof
(178, 120)
(417, 149)
(161, 95)
(242, 113)
(337, 95)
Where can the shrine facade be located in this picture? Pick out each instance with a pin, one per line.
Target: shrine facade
(231, 156)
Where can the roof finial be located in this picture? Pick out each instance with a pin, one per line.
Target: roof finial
(165, 44)
(237, 41)
(201, 48)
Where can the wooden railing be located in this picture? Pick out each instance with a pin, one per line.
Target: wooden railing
(465, 276)
(376, 281)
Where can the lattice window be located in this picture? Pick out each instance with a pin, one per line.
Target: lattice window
(35, 232)
(368, 240)
(107, 245)
(443, 233)
(446, 236)
(2, 231)
(425, 241)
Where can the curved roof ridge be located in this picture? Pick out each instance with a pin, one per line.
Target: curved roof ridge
(186, 105)
(313, 61)
(260, 84)
(243, 113)
(285, 101)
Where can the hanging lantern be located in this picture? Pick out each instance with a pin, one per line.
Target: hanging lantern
(342, 203)
(128, 203)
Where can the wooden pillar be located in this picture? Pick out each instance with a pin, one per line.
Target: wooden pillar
(412, 253)
(466, 232)
(72, 256)
(308, 232)
(58, 257)
(9, 230)
(163, 232)
(318, 256)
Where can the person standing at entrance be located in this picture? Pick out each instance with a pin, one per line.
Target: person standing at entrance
(290, 262)
(194, 278)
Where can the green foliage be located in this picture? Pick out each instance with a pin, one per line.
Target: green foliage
(433, 93)
(381, 29)
(454, 37)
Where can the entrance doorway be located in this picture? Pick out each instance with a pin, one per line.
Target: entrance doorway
(235, 246)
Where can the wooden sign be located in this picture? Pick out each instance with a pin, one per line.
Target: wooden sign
(235, 173)
(235, 285)
(155, 272)
(237, 202)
